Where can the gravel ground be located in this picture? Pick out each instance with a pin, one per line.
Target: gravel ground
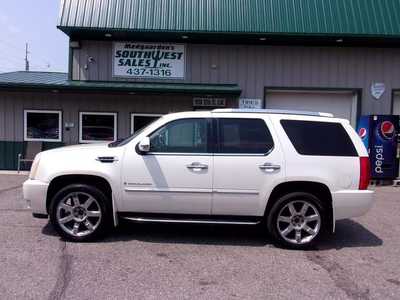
(360, 261)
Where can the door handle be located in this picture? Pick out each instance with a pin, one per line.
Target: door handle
(269, 167)
(197, 166)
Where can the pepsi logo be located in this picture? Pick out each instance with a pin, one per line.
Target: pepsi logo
(387, 130)
(362, 132)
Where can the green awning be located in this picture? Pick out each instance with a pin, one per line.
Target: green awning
(58, 81)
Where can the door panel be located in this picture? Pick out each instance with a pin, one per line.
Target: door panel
(242, 180)
(176, 176)
(165, 184)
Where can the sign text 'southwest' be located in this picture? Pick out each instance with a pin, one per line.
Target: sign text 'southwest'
(149, 60)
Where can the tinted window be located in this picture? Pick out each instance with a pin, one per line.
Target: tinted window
(98, 127)
(43, 126)
(319, 138)
(246, 136)
(140, 122)
(181, 136)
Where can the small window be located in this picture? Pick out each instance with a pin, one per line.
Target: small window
(139, 121)
(319, 138)
(181, 136)
(97, 127)
(244, 136)
(42, 125)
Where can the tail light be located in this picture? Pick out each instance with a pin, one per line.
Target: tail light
(365, 173)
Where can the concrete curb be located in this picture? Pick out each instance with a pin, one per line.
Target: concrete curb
(21, 173)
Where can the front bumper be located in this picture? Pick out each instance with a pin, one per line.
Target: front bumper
(35, 193)
(351, 203)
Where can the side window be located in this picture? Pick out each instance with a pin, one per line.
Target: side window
(244, 136)
(319, 138)
(181, 136)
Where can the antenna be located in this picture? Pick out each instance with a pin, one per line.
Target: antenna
(26, 58)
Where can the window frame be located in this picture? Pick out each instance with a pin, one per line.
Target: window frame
(81, 113)
(133, 115)
(216, 134)
(60, 127)
(209, 146)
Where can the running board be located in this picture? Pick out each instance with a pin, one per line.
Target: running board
(143, 219)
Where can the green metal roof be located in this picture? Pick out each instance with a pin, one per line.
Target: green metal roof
(292, 17)
(59, 81)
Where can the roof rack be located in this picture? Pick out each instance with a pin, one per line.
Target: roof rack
(273, 111)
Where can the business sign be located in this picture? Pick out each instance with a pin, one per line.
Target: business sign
(377, 90)
(209, 102)
(250, 103)
(149, 60)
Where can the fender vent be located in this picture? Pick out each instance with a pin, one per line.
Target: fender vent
(107, 159)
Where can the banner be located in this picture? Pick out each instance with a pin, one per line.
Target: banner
(149, 60)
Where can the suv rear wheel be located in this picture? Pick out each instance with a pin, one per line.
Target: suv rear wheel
(297, 220)
(79, 212)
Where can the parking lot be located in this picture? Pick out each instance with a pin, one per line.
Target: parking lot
(361, 261)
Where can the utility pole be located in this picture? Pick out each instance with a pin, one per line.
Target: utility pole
(26, 58)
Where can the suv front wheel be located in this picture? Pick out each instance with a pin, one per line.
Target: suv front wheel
(297, 220)
(79, 212)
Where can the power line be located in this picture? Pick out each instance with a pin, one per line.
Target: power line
(12, 59)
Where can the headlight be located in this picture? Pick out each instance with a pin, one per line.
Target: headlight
(34, 167)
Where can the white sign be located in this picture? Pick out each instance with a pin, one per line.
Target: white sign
(149, 60)
(377, 90)
(250, 103)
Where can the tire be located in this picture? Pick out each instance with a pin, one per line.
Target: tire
(302, 220)
(80, 213)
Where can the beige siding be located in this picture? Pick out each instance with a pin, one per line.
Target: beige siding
(12, 105)
(256, 67)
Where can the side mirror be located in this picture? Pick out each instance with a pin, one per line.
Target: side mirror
(144, 145)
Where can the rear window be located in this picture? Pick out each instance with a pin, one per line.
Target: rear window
(244, 136)
(319, 138)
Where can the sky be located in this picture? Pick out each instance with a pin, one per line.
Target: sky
(33, 22)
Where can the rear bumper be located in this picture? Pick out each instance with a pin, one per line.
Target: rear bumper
(35, 192)
(351, 203)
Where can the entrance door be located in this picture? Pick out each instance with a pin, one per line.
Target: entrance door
(342, 104)
(246, 166)
(396, 104)
(176, 175)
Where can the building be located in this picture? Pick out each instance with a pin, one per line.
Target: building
(131, 61)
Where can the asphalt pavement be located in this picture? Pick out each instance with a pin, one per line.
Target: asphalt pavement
(360, 261)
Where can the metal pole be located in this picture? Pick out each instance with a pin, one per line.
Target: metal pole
(26, 58)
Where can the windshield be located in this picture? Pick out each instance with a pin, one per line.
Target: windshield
(124, 141)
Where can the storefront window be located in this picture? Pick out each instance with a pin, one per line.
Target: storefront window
(139, 121)
(42, 125)
(97, 127)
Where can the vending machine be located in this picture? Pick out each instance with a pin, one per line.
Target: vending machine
(380, 135)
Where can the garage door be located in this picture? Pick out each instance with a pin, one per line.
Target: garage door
(342, 104)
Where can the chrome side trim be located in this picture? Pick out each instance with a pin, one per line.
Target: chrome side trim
(106, 159)
(165, 190)
(155, 220)
(193, 191)
(226, 191)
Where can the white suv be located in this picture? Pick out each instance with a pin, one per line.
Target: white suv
(294, 172)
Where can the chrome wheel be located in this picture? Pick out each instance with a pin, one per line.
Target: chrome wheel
(299, 222)
(78, 214)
